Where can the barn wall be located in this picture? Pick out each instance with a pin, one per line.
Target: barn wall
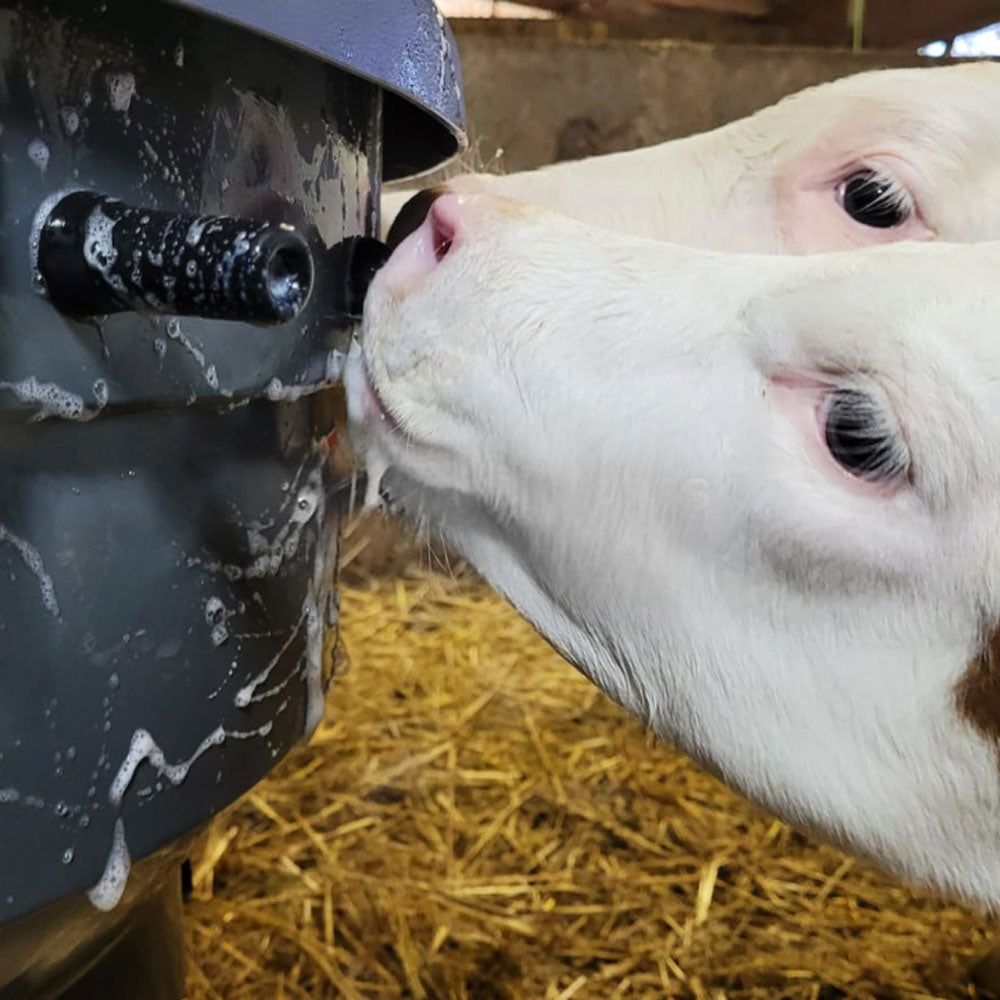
(540, 98)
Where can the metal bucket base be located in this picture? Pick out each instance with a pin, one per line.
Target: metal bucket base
(148, 961)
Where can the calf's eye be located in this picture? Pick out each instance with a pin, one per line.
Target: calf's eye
(872, 199)
(861, 437)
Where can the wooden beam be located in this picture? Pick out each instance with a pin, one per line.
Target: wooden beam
(638, 11)
(744, 8)
(914, 22)
(888, 24)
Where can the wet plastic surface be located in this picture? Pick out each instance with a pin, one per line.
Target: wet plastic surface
(405, 46)
(166, 551)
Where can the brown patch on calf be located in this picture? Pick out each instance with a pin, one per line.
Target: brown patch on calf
(977, 694)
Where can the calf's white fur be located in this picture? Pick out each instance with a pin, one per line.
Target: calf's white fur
(820, 639)
(786, 179)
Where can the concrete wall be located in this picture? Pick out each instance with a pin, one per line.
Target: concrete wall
(539, 98)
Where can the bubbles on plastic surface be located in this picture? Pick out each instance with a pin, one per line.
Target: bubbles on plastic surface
(121, 90)
(38, 153)
(109, 890)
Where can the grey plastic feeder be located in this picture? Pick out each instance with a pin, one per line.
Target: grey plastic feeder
(188, 192)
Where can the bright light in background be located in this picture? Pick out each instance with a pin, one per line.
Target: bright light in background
(934, 49)
(489, 8)
(985, 42)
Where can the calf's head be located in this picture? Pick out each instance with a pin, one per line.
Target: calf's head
(777, 543)
(876, 157)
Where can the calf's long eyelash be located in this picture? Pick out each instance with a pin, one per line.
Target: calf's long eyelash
(862, 437)
(895, 195)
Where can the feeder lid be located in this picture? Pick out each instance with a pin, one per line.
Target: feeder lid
(405, 46)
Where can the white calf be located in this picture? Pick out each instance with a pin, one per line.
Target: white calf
(779, 543)
(882, 156)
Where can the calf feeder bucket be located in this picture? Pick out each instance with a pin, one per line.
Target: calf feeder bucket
(188, 198)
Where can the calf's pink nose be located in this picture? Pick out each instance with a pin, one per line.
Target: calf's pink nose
(411, 216)
(426, 246)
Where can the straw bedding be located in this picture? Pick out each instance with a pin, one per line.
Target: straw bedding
(475, 821)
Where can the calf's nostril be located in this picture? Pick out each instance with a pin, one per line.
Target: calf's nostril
(443, 234)
(414, 260)
(412, 215)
